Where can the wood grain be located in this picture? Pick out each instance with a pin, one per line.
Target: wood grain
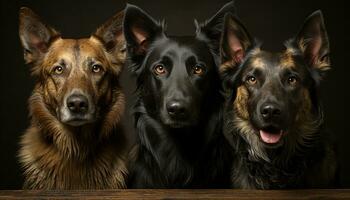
(179, 194)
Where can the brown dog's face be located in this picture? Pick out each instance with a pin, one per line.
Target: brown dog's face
(274, 93)
(77, 76)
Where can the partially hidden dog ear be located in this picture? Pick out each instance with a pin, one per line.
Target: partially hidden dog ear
(235, 41)
(35, 35)
(111, 33)
(312, 40)
(211, 28)
(140, 30)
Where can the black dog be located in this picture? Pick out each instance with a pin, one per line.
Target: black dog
(273, 116)
(177, 114)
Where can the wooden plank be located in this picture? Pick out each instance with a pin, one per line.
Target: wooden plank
(179, 194)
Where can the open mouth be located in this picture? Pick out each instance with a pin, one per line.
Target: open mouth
(271, 135)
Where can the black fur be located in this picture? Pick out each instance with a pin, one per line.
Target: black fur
(287, 82)
(186, 149)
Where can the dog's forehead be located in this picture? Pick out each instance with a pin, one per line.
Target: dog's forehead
(272, 60)
(183, 46)
(71, 49)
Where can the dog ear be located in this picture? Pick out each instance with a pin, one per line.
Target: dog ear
(111, 33)
(140, 30)
(312, 40)
(235, 41)
(234, 44)
(34, 34)
(211, 28)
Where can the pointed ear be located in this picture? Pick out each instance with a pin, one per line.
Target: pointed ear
(312, 40)
(34, 34)
(111, 33)
(140, 29)
(212, 27)
(235, 41)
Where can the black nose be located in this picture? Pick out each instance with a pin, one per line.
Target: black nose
(175, 108)
(269, 111)
(77, 103)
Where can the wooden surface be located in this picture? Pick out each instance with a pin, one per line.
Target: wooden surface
(179, 194)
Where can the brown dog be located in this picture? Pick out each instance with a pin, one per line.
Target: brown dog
(74, 140)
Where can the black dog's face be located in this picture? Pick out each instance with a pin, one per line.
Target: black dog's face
(174, 73)
(176, 76)
(273, 92)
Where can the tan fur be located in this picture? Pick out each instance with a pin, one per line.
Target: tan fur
(287, 60)
(242, 123)
(54, 157)
(240, 103)
(226, 66)
(254, 52)
(289, 49)
(322, 65)
(53, 154)
(306, 157)
(231, 65)
(258, 63)
(304, 120)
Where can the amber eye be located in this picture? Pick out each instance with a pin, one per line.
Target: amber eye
(198, 70)
(159, 69)
(251, 80)
(96, 68)
(58, 70)
(292, 80)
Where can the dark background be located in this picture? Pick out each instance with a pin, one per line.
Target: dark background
(272, 21)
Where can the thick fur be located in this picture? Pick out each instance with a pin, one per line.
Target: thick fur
(305, 158)
(194, 155)
(56, 155)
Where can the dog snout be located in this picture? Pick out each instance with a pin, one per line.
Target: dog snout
(176, 108)
(270, 111)
(78, 104)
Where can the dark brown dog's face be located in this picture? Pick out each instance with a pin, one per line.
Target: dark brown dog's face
(76, 75)
(274, 92)
(277, 88)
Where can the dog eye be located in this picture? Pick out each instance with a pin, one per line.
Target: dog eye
(58, 70)
(292, 80)
(159, 69)
(96, 68)
(198, 69)
(251, 80)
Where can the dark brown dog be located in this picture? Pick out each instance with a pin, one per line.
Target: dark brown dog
(74, 140)
(273, 117)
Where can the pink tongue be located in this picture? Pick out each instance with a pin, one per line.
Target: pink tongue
(270, 138)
